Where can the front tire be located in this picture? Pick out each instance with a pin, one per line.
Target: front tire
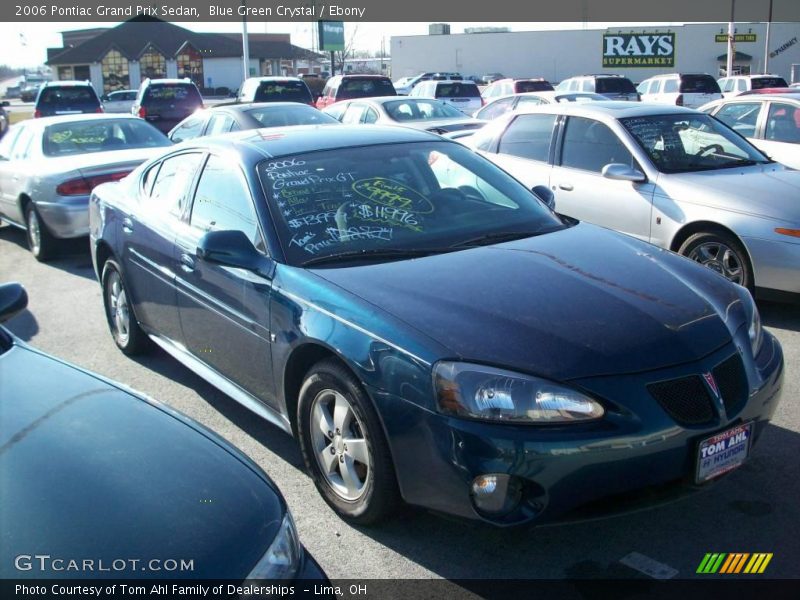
(128, 335)
(41, 242)
(344, 447)
(722, 253)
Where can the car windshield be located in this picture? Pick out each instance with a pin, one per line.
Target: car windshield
(291, 91)
(698, 84)
(420, 110)
(394, 198)
(82, 137)
(457, 90)
(681, 143)
(282, 115)
(767, 82)
(58, 95)
(614, 85)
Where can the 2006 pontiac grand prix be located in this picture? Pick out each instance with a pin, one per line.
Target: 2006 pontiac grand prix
(428, 328)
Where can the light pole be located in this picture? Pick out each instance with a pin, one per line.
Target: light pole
(731, 45)
(245, 46)
(766, 43)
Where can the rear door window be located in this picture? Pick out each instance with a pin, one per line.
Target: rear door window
(528, 136)
(783, 123)
(363, 87)
(670, 86)
(768, 82)
(740, 116)
(614, 85)
(219, 123)
(173, 181)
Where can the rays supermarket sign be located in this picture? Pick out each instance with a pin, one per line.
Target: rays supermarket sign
(639, 50)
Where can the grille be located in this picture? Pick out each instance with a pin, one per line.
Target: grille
(686, 399)
(732, 383)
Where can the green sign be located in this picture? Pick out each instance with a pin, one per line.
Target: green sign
(331, 35)
(655, 50)
(739, 37)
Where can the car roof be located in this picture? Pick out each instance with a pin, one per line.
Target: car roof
(274, 78)
(169, 81)
(67, 83)
(299, 139)
(611, 109)
(79, 117)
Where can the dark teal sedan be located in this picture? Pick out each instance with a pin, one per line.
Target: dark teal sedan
(429, 329)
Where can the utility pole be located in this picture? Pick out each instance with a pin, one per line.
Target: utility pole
(766, 43)
(731, 44)
(245, 46)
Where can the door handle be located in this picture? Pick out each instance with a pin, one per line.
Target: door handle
(127, 225)
(187, 263)
(567, 187)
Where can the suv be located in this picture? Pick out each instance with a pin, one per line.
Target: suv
(736, 84)
(166, 102)
(275, 89)
(463, 95)
(507, 87)
(613, 87)
(681, 89)
(66, 98)
(347, 87)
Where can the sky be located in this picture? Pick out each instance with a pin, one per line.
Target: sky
(25, 44)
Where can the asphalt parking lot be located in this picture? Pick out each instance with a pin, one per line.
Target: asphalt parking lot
(755, 509)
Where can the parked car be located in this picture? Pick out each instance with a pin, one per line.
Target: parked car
(491, 78)
(407, 83)
(501, 106)
(163, 487)
(342, 263)
(275, 89)
(49, 166)
(225, 118)
(681, 89)
(401, 84)
(166, 102)
(66, 98)
(671, 176)
(29, 93)
(794, 85)
(419, 113)
(736, 84)
(613, 87)
(120, 101)
(463, 95)
(771, 122)
(508, 87)
(4, 117)
(347, 87)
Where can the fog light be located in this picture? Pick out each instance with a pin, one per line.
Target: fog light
(496, 494)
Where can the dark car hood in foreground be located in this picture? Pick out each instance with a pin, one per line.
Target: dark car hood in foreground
(88, 471)
(579, 302)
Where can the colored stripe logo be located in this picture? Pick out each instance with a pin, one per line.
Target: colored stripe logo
(734, 563)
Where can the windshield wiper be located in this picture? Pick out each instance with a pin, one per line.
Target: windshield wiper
(369, 253)
(497, 237)
(742, 162)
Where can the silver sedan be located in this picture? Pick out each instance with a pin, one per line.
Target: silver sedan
(669, 175)
(417, 113)
(49, 166)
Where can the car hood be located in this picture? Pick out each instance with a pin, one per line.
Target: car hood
(771, 190)
(90, 470)
(580, 302)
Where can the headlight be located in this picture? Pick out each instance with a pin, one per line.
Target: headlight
(282, 559)
(754, 331)
(479, 392)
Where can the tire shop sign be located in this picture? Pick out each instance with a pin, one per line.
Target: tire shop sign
(639, 50)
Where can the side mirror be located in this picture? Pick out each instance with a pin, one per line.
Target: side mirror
(623, 173)
(13, 300)
(546, 195)
(234, 249)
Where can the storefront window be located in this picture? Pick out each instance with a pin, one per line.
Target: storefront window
(115, 72)
(190, 64)
(153, 64)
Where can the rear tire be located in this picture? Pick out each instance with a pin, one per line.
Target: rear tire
(128, 335)
(344, 447)
(723, 253)
(41, 242)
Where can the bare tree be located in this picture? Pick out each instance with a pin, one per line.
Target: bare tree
(339, 56)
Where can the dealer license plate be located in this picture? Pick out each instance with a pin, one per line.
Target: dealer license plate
(723, 452)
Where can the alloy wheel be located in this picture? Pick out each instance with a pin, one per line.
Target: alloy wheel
(720, 258)
(34, 233)
(118, 307)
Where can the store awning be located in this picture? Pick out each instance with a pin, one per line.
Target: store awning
(737, 56)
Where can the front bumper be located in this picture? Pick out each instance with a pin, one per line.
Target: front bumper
(635, 446)
(67, 217)
(776, 264)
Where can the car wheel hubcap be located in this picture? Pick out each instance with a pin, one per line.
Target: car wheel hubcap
(118, 308)
(339, 445)
(720, 258)
(34, 232)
